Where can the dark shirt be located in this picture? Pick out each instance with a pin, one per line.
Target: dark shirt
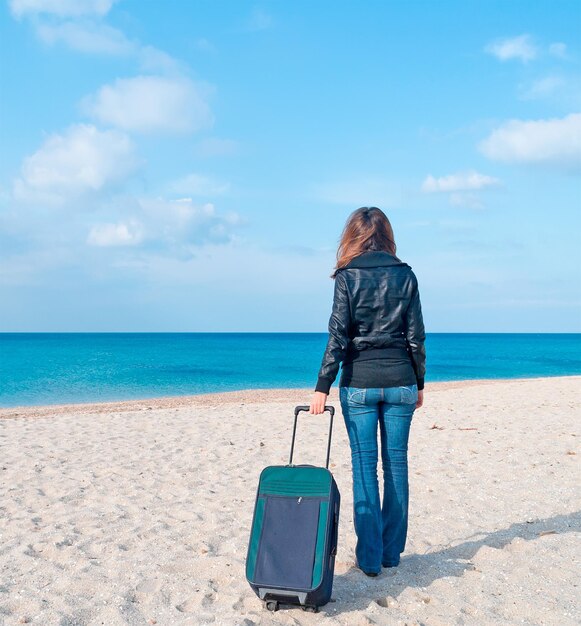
(377, 373)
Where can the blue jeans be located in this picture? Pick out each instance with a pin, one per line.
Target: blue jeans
(381, 529)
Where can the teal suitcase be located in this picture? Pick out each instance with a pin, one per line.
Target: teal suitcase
(294, 532)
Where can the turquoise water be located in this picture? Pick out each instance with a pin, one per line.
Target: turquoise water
(55, 368)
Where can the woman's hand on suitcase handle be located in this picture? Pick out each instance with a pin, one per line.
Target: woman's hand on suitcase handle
(318, 403)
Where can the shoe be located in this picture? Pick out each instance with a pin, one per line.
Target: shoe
(389, 565)
(371, 574)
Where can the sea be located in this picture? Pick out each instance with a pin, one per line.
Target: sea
(62, 368)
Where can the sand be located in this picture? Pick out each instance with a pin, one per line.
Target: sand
(140, 512)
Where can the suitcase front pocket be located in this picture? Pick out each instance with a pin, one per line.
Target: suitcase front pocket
(288, 541)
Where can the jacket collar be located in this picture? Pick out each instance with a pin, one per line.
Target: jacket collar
(374, 258)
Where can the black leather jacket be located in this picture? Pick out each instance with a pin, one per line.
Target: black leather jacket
(376, 314)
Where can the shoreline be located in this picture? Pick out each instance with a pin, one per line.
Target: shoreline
(298, 395)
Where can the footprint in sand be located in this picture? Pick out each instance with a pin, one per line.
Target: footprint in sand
(193, 603)
(149, 585)
(246, 603)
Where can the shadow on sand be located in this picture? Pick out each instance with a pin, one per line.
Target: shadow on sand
(421, 570)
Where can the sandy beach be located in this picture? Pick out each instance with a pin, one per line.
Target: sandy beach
(139, 512)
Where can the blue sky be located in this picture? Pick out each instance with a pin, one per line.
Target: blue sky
(189, 166)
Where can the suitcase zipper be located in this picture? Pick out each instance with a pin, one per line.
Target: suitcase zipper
(265, 494)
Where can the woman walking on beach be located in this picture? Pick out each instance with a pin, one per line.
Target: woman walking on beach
(376, 330)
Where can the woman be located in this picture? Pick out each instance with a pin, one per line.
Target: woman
(376, 330)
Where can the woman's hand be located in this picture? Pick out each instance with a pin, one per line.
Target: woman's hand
(420, 398)
(318, 402)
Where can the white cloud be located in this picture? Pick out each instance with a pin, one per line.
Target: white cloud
(542, 87)
(82, 159)
(151, 104)
(87, 36)
(553, 142)
(199, 185)
(96, 37)
(206, 46)
(564, 90)
(163, 226)
(259, 20)
(152, 59)
(78, 24)
(179, 226)
(60, 8)
(119, 234)
(462, 181)
(513, 48)
(558, 49)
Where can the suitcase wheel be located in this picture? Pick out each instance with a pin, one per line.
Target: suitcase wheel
(272, 605)
(311, 609)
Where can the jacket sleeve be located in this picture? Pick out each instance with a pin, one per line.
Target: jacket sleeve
(415, 335)
(339, 324)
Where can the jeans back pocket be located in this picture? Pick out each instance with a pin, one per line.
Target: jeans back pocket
(356, 395)
(409, 394)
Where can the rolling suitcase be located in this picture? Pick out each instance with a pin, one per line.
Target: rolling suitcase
(294, 533)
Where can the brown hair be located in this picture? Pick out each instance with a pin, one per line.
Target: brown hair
(367, 228)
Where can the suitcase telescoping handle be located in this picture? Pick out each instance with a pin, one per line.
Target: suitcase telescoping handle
(307, 408)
